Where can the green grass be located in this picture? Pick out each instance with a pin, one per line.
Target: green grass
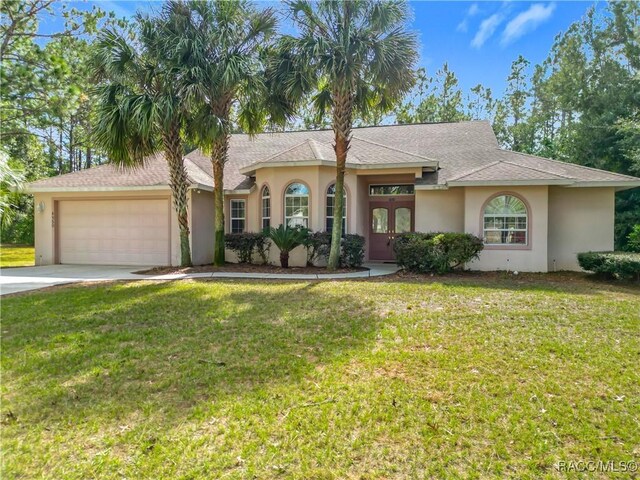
(16, 256)
(466, 377)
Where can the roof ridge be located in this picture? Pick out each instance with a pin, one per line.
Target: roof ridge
(475, 170)
(282, 152)
(394, 149)
(191, 162)
(537, 170)
(313, 144)
(363, 127)
(629, 177)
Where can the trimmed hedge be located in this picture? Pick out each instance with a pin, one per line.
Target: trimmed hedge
(619, 265)
(318, 245)
(437, 252)
(243, 244)
(352, 252)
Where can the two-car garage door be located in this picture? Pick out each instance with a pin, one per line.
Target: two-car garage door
(114, 232)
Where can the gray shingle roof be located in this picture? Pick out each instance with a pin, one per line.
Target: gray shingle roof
(154, 173)
(466, 153)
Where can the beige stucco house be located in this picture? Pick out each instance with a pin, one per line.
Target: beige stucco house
(534, 213)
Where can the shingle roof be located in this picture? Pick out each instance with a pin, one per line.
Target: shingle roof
(154, 173)
(466, 152)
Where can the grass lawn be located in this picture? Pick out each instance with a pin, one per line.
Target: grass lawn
(465, 377)
(16, 255)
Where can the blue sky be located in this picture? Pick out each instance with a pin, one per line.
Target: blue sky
(479, 39)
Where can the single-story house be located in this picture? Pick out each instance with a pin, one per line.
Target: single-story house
(534, 213)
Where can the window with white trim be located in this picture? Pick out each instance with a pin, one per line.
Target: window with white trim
(505, 221)
(266, 207)
(296, 205)
(331, 203)
(238, 215)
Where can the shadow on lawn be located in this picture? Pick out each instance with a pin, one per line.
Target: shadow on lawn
(109, 351)
(575, 283)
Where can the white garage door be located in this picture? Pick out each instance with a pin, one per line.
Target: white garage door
(114, 232)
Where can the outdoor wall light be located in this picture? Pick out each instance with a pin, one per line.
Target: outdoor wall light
(41, 207)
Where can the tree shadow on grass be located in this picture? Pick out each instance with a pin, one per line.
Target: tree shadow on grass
(108, 351)
(574, 283)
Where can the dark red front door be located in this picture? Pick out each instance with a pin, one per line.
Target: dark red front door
(387, 218)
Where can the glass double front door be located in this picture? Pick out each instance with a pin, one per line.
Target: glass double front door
(386, 220)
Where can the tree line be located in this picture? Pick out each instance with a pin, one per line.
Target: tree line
(196, 72)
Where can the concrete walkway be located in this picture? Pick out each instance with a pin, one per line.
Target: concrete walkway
(22, 279)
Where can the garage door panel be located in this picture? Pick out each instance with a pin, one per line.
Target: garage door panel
(114, 232)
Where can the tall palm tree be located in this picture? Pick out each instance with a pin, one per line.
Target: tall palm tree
(220, 47)
(358, 57)
(11, 183)
(140, 110)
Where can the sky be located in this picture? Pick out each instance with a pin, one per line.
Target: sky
(479, 40)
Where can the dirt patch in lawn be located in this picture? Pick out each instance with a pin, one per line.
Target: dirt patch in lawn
(246, 268)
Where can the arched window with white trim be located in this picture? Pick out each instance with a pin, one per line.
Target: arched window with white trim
(506, 221)
(296, 205)
(331, 205)
(266, 207)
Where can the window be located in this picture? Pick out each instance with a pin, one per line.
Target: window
(266, 207)
(238, 216)
(403, 220)
(505, 220)
(331, 198)
(380, 220)
(391, 190)
(296, 205)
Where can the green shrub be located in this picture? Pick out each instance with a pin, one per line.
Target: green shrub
(286, 239)
(318, 245)
(619, 265)
(262, 246)
(352, 252)
(633, 239)
(242, 244)
(438, 252)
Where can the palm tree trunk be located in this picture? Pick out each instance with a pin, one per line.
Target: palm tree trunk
(179, 185)
(342, 124)
(218, 157)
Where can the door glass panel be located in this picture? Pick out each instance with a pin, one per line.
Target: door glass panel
(403, 220)
(380, 220)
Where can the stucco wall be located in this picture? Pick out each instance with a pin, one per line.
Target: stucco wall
(533, 257)
(440, 210)
(317, 179)
(45, 230)
(580, 220)
(202, 215)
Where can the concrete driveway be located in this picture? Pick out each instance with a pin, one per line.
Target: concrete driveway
(22, 279)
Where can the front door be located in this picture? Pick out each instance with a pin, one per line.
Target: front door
(387, 218)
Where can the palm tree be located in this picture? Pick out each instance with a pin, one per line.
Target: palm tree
(11, 183)
(357, 57)
(220, 48)
(140, 111)
(286, 239)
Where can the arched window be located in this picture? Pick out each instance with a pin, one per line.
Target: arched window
(506, 220)
(331, 202)
(296, 205)
(266, 207)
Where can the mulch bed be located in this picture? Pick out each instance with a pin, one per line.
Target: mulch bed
(246, 268)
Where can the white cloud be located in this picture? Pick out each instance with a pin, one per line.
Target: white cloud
(527, 22)
(487, 29)
(463, 26)
(473, 10)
